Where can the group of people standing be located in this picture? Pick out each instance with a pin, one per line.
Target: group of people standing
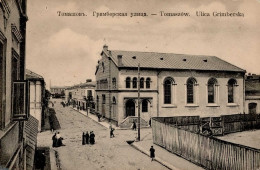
(57, 140)
(88, 138)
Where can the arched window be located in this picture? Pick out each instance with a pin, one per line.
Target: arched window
(191, 82)
(134, 82)
(142, 82)
(212, 90)
(231, 90)
(97, 103)
(168, 90)
(114, 82)
(127, 82)
(148, 82)
(145, 106)
(114, 100)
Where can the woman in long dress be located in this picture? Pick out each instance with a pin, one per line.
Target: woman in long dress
(83, 138)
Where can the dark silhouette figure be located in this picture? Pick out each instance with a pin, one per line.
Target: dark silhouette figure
(83, 138)
(112, 132)
(87, 137)
(92, 138)
(54, 140)
(152, 153)
(134, 126)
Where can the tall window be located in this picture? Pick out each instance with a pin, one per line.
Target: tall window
(97, 103)
(148, 81)
(145, 106)
(103, 99)
(142, 82)
(114, 82)
(127, 82)
(134, 82)
(191, 90)
(231, 88)
(212, 90)
(168, 90)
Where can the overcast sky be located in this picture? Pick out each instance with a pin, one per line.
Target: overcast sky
(65, 50)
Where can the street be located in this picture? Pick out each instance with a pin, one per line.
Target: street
(106, 153)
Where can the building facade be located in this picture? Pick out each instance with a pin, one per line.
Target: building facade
(37, 92)
(14, 111)
(252, 94)
(81, 95)
(170, 85)
(57, 90)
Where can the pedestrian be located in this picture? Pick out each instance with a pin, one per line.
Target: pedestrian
(152, 153)
(112, 132)
(134, 125)
(150, 122)
(87, 137)
(92, 138)
(54, 140)
(83, 138)
(59, 140)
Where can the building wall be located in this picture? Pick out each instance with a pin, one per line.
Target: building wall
(11, 132)
(106, 70)
(202, 108)
(36, 89)
(250, 99)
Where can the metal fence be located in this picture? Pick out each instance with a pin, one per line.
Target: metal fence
(208, 152)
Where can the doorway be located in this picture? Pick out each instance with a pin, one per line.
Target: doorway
(130, 108)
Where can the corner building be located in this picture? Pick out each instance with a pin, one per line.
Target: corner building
(170, 85)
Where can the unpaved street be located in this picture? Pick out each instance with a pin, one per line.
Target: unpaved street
(107, 153)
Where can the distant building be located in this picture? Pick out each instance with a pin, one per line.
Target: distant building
(17, 142)
(58, 90)
(171, 85)
(37, 92)
(252, 93)
(81, 94)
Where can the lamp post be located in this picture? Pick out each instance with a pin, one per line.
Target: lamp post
(138, 120)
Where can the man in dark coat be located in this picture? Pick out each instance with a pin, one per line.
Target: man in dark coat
(152, 153)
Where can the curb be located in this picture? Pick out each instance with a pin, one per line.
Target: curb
(157, 159)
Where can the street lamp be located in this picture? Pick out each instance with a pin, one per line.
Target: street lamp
(138, 120)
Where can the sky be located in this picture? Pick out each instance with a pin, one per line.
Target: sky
(65, 49)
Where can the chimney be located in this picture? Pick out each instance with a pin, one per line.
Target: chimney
(105, 47)
(119, 57)
(88, 80)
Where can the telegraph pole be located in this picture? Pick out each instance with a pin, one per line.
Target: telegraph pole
(139, 122)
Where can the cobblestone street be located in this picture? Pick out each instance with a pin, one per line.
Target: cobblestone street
(107, 153)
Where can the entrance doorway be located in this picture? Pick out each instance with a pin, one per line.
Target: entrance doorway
(130, 108)
(252, 108)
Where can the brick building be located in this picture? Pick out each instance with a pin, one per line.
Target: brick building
(170, 85)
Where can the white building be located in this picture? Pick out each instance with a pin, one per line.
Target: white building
(37, 91)
(171, 85)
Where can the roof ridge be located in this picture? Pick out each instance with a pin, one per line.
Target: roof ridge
(198, 55)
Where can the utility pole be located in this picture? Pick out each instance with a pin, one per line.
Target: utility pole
(139, 122)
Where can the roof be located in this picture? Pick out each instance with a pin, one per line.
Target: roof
(171, 61)
(32, 75)
(86, 84)
(252, 86)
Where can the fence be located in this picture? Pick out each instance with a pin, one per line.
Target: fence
(210, 153)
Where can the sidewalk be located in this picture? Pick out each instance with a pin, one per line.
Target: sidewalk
(162, 156)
